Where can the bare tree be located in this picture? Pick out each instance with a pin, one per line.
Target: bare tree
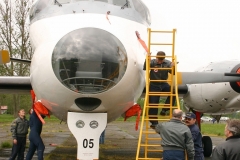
(14, 37)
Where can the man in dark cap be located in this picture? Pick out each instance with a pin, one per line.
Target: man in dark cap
(190, 120)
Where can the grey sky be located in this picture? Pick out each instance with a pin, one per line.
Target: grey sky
(207, 30)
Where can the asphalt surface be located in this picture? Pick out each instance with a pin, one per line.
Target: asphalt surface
(120, 142)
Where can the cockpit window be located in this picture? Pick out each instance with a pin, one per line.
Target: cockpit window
(122, 3)
(130, 9)
(142, 9)
(102, 0)
(38, 7)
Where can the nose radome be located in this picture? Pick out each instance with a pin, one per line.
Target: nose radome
(89, 60)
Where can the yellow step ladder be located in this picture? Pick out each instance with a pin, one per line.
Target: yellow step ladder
(149, 141)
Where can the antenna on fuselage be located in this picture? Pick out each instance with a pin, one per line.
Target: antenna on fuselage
(59, 4)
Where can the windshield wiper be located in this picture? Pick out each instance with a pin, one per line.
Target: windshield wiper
(59, 4)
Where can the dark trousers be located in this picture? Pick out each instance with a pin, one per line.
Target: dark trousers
(165, 87)
(36, 143)
(173, 155)
(18, 149)
(199, 156)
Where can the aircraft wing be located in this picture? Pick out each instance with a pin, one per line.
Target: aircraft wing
(188, 78)
(206, 77)
(15, 84)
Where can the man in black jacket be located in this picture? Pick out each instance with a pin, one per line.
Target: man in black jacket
(229, 150)
(19, 129)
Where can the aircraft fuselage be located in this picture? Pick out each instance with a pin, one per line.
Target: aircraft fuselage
(87, 59)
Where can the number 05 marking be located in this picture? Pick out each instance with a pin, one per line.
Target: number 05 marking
(87, 143)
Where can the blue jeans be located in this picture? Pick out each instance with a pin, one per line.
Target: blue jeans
(173, 155)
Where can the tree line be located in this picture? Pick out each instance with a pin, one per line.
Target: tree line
(14, 37)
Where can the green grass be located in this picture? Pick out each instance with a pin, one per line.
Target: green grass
(210, 129)
(6, 145)
(10, 118)
(6, 118)
(207, 128)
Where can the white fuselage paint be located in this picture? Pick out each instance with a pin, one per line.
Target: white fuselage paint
(213, 98)
(46, 33)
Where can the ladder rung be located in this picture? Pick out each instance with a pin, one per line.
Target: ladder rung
(150, 116)
(163, 31)
(150, 158)
(155, 150)
(149, 119)
(154, 138)
(160, 68)
(153, 117)
(160, 105)
(149, 132)
(172, 107)
(160, 81)
(161, 44)
(158, 94)
(150, 145)
(161, 92)
(173, 58)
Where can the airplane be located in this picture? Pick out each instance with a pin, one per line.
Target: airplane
(87, 63)
(87, 67)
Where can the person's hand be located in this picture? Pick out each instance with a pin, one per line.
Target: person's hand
(14, 141)
(172, 64)
(149, 54)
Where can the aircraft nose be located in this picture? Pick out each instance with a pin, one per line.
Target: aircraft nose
(89, 60)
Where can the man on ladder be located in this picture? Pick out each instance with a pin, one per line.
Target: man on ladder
(158, 74)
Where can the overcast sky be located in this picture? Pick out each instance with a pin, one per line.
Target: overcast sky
(207, 30)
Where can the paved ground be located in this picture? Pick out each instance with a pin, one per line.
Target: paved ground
(120, 142)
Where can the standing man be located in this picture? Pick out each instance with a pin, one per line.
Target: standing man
(229, 150)
(19, 129)
(36, 142)
(155, 74)
(176, 138)
(190, 120)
